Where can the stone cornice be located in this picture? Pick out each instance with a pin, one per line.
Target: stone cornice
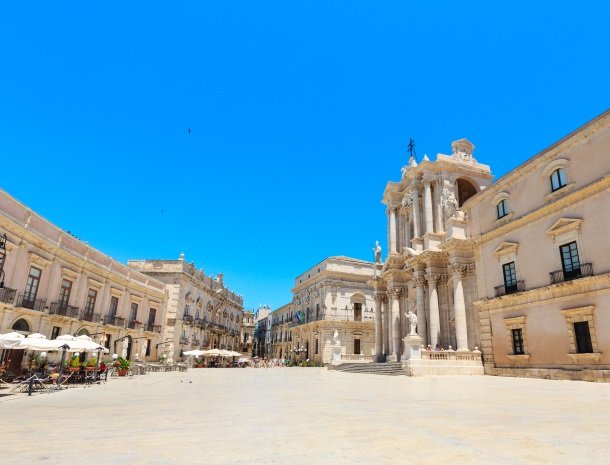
(554, 293)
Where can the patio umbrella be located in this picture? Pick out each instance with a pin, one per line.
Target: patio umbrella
(37, 341)
(195, 352)
(8, 340)
(212, 352)
(80, 343)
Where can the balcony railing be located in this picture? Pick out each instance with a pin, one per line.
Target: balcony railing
(114, 320)
(184, 340)
(519, 286)
(195, 342)
(26, 301)
(7, 295)
(91, 316)
(134, 324)
(62, 309)
(559, 276)
(187, 318)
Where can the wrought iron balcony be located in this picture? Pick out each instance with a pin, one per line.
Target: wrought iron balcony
(27, 301)
(114, 320)
(184, 340)
(62, 309)
(195, 342)
(134, 324)
(559, 276)
(90, 316)
(7, 295)
(187, 318)
(519, 286)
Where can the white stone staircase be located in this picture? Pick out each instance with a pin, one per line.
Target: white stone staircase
(388, 369)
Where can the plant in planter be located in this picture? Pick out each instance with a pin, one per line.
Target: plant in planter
(91, 363)
(199, 363)
(123, 367)
(75, 364)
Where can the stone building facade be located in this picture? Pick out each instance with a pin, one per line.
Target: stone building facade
(334, 295)
(202, 313)
(281, 337)
(429, 268)
(55, 284)
(262, 332)
(540, 236)
(247, 332)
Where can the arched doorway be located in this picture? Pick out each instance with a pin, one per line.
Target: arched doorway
(21, 326)
(465, 190)
(83, 332)
(128, 346)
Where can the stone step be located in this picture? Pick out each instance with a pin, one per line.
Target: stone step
(387, 369)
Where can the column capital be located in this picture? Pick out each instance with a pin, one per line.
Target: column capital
(380, 298)
(395, 292)
(433, 279)
(458, 269)
(420, 281)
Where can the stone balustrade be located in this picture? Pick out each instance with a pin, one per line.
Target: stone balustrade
(474, 356)
(357, 358)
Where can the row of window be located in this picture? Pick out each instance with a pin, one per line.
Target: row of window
(31, 292)
(570, 263)
(558, 180)
(582, 335)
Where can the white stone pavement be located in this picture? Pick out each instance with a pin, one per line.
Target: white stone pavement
(309, 416)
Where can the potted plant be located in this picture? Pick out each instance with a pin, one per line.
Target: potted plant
(199, 363)
(75, 364)
(91, 363)
(123, 367)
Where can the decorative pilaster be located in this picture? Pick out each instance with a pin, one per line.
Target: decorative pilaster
(459, 306)
(435, 325)
(416, 212)
(386, 328)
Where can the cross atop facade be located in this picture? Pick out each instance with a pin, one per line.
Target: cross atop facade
(411, 147)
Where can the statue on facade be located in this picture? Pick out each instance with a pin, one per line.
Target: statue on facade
(377, 251)
(336, 337)
(450, 203)
(412, 317)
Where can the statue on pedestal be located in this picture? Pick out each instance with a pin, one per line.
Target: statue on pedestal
(412, 317)
(336, 337)
(377, 251)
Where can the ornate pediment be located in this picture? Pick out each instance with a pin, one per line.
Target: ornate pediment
(506, 248)
(564, 225)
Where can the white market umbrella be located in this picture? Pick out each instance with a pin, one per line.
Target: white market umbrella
(212, 352)
(227, 353)
(8, 340)
(80, 343)
(37, 341)
(195, 352)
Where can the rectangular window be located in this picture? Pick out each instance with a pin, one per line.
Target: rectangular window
(108, 339)
(55, 332)
(570, 262)
(501, 209)
(356, 346)
(133, 313)
(31, 286)
(152, 316)
(558, 179)
(91, 298)
(114, 305)
(583, 337)
(510, 277)
(64, 293)
(357, 312)
(518, 341)
(148, 344)
(317, 347)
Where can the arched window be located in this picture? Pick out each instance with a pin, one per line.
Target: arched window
(558, 179)
(465, 190)
(502, 209)
(21, 325)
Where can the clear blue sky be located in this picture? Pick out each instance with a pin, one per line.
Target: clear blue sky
(300, 113)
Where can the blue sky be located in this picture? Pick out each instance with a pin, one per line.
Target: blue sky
(300, 113)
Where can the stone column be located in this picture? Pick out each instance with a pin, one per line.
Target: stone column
(428, 207)
(416, 213)
(386, 329)
(392, 229)
(422, 327)
(459, 306)
(435, 324)
(395, 324)
(439, 209)
(407, 231)
(378, 328)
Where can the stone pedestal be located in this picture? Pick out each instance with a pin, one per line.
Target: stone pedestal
(412, 344)
(335, 354)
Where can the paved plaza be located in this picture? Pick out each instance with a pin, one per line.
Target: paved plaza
(309, 416)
